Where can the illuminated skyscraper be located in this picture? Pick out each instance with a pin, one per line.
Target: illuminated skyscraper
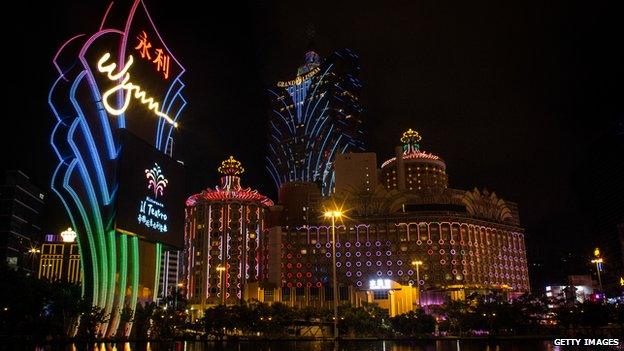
(314, 117)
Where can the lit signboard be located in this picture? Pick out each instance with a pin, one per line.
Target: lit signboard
(151, 189)
(299, 79)
(380, 284)
(116, 101)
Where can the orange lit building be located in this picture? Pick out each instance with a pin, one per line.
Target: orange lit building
(60, 258)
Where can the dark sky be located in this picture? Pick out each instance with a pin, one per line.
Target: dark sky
(511, 94)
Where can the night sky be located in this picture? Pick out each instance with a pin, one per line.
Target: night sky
(513, 95)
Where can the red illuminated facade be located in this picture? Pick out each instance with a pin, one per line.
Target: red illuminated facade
(224, 234)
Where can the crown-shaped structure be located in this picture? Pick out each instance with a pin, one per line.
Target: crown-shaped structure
(411, 141)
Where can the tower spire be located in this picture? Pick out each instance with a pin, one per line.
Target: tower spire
(231, 169)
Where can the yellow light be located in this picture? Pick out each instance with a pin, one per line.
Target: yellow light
(128, 87)
(220, 268)
(335, 214)
(417, 263)
(596, 252)
(621, 281)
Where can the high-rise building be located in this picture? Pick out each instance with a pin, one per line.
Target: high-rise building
(171, 268)
(225, 233)
(314, 117)
(60, 258)
(21, 203)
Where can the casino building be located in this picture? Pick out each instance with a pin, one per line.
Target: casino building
(224, 233)
(407, 238)
(314, 117)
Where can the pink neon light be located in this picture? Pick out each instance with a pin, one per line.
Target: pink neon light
(59, 52)
(106, 14)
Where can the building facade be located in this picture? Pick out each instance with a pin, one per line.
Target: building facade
(314, 117)
(21, 203)
(225, 233)
(171, 272)
(408, 240)
(60, 258)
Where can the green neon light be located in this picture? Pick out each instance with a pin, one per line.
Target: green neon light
(134, 242)
(87, 226)
(157, 276)
(112, 269)
(121, 293)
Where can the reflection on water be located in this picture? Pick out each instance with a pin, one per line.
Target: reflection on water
(372, 345)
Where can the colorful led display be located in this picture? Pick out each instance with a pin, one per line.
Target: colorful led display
(120, 76)
(151, 189)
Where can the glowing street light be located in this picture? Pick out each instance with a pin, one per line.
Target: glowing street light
(598, 261)
(221, 269)
(333, 215)
(417, 263)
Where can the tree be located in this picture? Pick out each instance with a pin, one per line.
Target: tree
(413, 323)
(166, 322)
(455, 316)
(215, 321)
(141, 321)
(90, 322)
(368, 320)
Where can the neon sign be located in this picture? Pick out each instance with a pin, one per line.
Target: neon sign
(161, 60)
(129, 87)
(151, 212)
(156, 180)
(299, 79)
(379, 284)
(152, 215)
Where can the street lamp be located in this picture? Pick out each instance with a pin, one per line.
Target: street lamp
(333, 215)
(221, 269)
(417, 263)
(33, 257)
(598, 262)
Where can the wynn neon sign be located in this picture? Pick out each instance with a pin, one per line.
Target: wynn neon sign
(129, 87)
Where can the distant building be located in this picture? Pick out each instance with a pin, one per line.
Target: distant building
(412, 168)
(60, 258)
(21, 203)
(355, 172)
(314, 117)
(579, 288)
(171, 270)
(225, 234)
